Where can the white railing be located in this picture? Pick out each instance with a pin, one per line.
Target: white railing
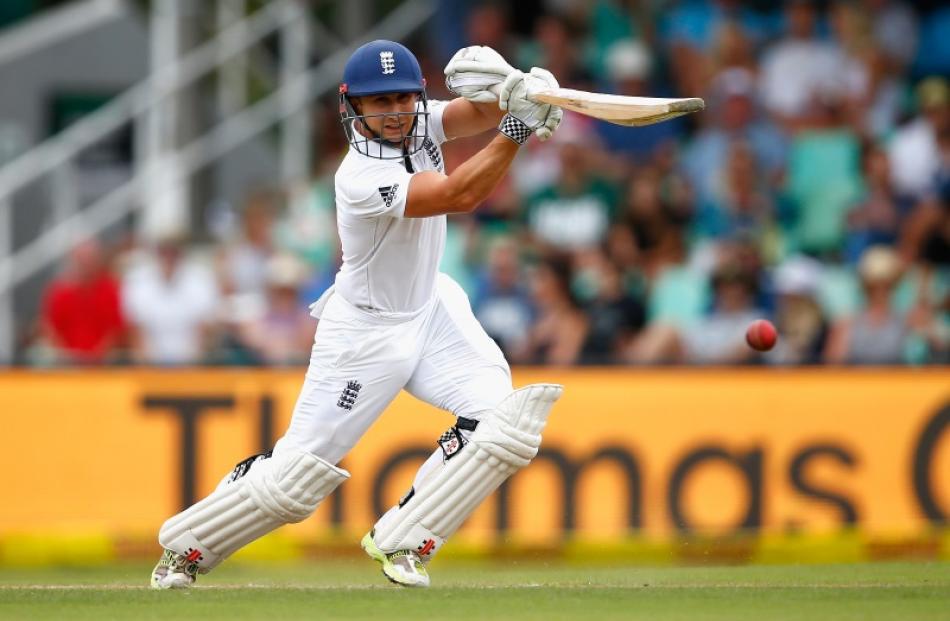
(298, 88)
(55, 25)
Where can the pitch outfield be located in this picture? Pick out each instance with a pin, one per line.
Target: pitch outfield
(353, 589)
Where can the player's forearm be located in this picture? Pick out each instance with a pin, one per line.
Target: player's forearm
(463, 118)
(490, 114)
(472, 182)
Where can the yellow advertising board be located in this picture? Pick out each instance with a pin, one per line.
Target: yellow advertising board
(654, 455)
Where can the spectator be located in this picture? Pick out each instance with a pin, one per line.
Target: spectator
(692, 30)
(894, 26)
(575, 212)
(488, 23)
(243, 261)
(878, 333)
(872, 67)
(875, 219)
(555, 47)
(82, 312)
(823, 181)
(629, 65)
(654, 225)
(614, 315)
(501, 304)
(558, 334)
(733, 108)
(921, 148)
(170, 302)
(799, 317)
(283, 333)
(742, 205)
(733, 50)
(719, 337)
(854, 44)
(799, 69)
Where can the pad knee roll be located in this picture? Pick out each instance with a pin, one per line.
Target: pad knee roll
(504, 442)
(279, 490)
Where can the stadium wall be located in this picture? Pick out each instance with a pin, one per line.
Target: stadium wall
(651, 465)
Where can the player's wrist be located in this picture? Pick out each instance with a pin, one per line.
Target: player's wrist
(514, 129)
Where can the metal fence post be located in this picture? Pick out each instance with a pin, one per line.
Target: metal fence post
(296, 127)
(7, 317)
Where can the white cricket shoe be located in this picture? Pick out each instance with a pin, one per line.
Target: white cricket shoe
(402, 567)
(174, 571)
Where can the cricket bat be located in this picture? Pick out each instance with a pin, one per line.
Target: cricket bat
(618, 109)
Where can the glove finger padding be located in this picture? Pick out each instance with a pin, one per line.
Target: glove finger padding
(539, 117)
(550, 124)
(514, 99)
(473, 70)
(514, 80)
(541, 79)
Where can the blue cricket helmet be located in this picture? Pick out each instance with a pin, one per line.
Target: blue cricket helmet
(382, 67)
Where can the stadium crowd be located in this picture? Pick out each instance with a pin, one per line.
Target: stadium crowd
(814, 190)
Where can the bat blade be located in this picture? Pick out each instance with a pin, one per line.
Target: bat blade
(619, 109)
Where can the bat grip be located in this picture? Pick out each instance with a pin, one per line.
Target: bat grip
(496, 89)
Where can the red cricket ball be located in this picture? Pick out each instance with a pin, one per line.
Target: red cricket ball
(761, 335)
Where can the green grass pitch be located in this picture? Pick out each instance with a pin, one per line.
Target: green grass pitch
(354, 589)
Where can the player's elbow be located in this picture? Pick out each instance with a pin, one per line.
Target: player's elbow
(465, 202)
(460, 199)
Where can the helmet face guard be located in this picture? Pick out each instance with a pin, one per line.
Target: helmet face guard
(362, 138)
(376, 68)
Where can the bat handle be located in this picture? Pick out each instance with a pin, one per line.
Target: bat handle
(496, 89)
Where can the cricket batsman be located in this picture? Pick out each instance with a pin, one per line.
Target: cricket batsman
(391, 321)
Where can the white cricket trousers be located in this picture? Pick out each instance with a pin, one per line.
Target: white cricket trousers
(361, 361)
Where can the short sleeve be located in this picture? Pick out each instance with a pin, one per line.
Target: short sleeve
(436, 129)
(374, 191)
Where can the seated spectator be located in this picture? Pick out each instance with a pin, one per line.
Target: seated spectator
(742, 204)
(799, 69)
(614, 315)
(824, 181)
(243, 261)
(925, 292)
(575, 212)
(554, 46)
(895, 30)
(921, 147)
(692, 30)
(875, 219)
(717, 338)
(733, 114)
(561, 327)
(82, 312)
(878, 333)
(733, 48)
(171, 303)
(696, 24)
(655, 225)
(500, 303)
(629, 65)
(283, 333)
(799, 317)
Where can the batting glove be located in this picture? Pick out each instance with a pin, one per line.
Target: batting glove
(473, 70)
(541, 118)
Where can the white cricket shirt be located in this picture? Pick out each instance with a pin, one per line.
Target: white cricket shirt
(389, 262)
